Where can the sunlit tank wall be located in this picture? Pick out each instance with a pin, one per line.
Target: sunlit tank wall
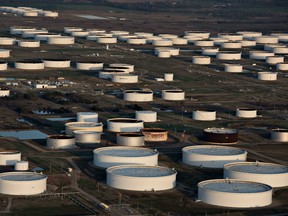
(202, 34)
(124, 155)
(259, 55)
(246, 113)
(162, 42)
(4, 92)
(210, 51)
(192, 39)
(146, 116)
(84, 126)
(136, 41)
(248, 43)
(44, 37)
(168, 77)
(117, 65)
(21, 166)
(63, 40)
(270, 47)
(283, 37)
(163, 54)
(231, 36)
(110, 68)
(273, 60)
(81, 65)
(168, 36)
(212, 156)
(29, 65)
(69, 30)
(117, 33)
(87, 137)
(173, 95)
(138, 95)
(228, 55)
(31, 33)
(204, 115)
(141, 178)
(130, 139)
(56, 63)
(249, 35)
(3, 66)
(155, 134)
(22, 183)
(87, 117)
(9, 158)
(201, 60)
(6, 41)
(124, 38)
(275, 175)
(221, 135)
(179, 41)
(4, 53)
(231, 45)
(124, 125)
(125, 78)
(204, 43)
(30, 14)
(266, 39)
(28, 43)
(143, 34)
(234, 193)
(17, 30)
(108, 74)
(219, 41)
(60, 142)
(48, 13)
(79, 33)
(282, 66)
(233, 68)
(107, 40)
(279, 135)
(280, 50)
(267, 76)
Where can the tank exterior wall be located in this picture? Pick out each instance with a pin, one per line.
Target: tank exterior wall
(138, 97)
(130, 140)
(118, 78)
(221, 138)
(87, 137)
(279, 136)
(59, 143)
(4, 53)
(242, 113)
(266, 39)
(61, 40)
(210, 51)
(69, 129)
(231, 37)
(282, 66)
(141, 184)
(155, 136)
(204, 115)
(231, 45)
(168, 77)
(56, 64)
(89, 66)
(107, 40)
(10, 159)
(124, 126)
(87, 117)
(204, 43)
(260, 55)
(267, 76)
(3, 66)
(228, 55)
(6, 41)
(29, 66)
(232, 68)
(30, 44)
(146, 116)
(4, 93)
(273, 60)
(173, 96)
(21, 166)
(201, 60)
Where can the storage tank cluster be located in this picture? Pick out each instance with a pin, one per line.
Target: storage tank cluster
(29, 11)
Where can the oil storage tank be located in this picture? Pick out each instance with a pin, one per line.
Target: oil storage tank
(70, 127)
(56, 63)
(138, 95)
(28, 43)
(146, 115)
(246, 113)
(130, 139)
(60, 142)
(3, 66)
(89, 65)
(124, 125)
(228, 55)
(9, 157)
(141, 178)
(204, 115)
(233, 68)
(234, 193)
(267, 76)
(125, 78)
(87, 117)
(173, 94)
(275, 175)
(4, 53)
(282, 66)
(87, 137)
(4, 92)
(124, 155)
(61, 40)
(6, 41)
(212, 156)
(29, 65)
(155, 134)
(22, 183)
(21, 166)
(221, 135)
(279, 135)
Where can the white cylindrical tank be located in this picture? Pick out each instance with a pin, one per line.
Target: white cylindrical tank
(30, 14)
(228, 55)
(62, 40)
(155, 134)
(31, 33)
(21, 166)
(144, 34)
(275, 175)
(124, 125)
(282, 66)
(168, 36)
(201, 60)
(218, 41)
(141, 178)
(123, 69)
(60, 142)
(246, 113)
(69, 30)
(124, 155)
(136, 41)
(4, 53)
(279, 135)
(108, 73)
(248, 43)
(28, 43)
(267, 76)
(173, 94)
(87, 117)
(249, 35)
(273, 60)
(234, 193)
(202, 34)
(29, 65)
(130, 139)
(107, 40)
(233, 68)
(130, 67)
(210, 51)
(280, 50)
(162, 42)
(164, 54)
(22, 183)
(17, 30)
(87, 137)
(44, 36)
(138, 95)
(179, 41)
(6, 41)
(168, 77)
(9, 157)
(89, 65)
(266, 39)
(79, 33)
(70, 127)
(125, 78)
(283, 37)
(146, 116)
(259, 54)
(231, 36)
(48, 13)
(221, 135)
(212, 156)
(3, 66)
(204, 43)
(204, 115)
(4, 92)
(231, 45)
(270, 47)
(56, 63)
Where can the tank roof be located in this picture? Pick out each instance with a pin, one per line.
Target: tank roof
(9, 152)
(234, 186)
(83, 124)
(125, 151)
(257, 167)
(221, 130)
(141, 171)
(213, 150)
(21, 176)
